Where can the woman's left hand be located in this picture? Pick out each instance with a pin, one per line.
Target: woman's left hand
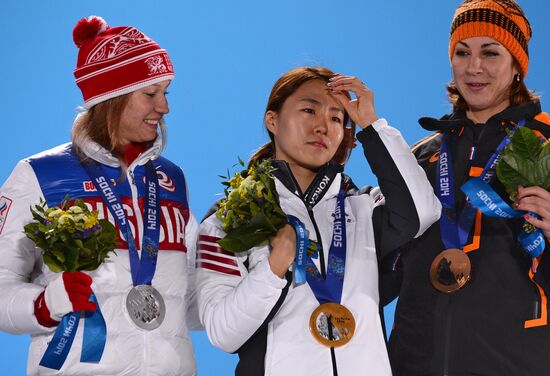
(536, 200)
(361, 109)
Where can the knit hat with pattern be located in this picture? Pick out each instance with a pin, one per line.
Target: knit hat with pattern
(116, 61)
(501, 20)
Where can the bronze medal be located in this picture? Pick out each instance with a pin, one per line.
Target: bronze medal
(450, 270)
(332, 324)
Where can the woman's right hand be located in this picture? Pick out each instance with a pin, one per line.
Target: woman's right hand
(535, 200)
(68, 292)
(283, 250)
(361, 109)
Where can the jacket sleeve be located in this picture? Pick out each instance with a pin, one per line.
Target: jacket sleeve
(236, 292)
(20, 258)
(191, 236)
(408, 205)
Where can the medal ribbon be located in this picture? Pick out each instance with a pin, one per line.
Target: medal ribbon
(302, 244)
(61, 343)
(455, 229)
(95, 333)
(142, 269)
(93, 340)
(329, 290)
(491, 204)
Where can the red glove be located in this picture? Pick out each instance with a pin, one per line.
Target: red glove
(68, 292)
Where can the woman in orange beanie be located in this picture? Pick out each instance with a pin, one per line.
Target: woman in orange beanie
(473, 298)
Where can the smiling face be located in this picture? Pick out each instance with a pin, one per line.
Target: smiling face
(142, 114)
(483, 72)
(309, 127)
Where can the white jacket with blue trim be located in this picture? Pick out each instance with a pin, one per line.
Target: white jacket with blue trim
(23, 275)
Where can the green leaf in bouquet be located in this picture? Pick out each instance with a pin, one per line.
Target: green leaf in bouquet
(263, 223)
(523, 162)
(65, 237)
(86, 252)
(30, 229)
(79, 243)
(257, 231)
(52, 263)
(71, 258)
(241, 243)
(526, 144)
(44, 228)
(509, 177)
(544, 166)
(89, 265)
(37, 215)
(108, 231)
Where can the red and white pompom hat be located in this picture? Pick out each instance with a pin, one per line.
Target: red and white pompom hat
(113, 61)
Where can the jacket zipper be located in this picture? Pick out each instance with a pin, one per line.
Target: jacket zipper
(318, 234)
(138, 232)
(449, 315)
(323, 274)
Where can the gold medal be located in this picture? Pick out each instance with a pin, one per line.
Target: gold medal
(450, 270)
(332, 324)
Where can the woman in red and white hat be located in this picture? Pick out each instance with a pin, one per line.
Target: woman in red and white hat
(113, 162)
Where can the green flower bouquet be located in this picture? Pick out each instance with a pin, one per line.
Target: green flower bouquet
(71, 236)
(525, 161)
(250, 212)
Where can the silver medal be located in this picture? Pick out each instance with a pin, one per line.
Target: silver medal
(145, 307)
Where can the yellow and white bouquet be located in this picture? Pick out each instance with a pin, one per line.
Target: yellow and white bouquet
(71, 236)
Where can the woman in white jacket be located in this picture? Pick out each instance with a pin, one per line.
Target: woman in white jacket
(331, 324)
(123, 76)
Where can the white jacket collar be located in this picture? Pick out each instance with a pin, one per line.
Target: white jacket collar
(98, 153)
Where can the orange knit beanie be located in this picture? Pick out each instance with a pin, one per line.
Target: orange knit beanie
(502, 20)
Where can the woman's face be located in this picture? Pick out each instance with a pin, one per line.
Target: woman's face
(309, 127)
(483, 72)
(142, 114)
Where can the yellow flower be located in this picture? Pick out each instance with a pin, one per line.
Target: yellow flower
(91, 220)
(236, 180)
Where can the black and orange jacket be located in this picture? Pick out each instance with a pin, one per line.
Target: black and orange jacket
(498, 323)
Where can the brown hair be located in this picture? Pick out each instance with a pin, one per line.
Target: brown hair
(519, 94)
(101, 125)
(285, 86)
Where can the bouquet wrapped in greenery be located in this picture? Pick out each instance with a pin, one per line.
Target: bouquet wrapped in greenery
(525, 161)
(71, 236)
(251, 212)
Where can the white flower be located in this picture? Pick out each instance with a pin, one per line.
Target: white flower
(75, 209)
(55, 213)
(65, 218)
(80, 218)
